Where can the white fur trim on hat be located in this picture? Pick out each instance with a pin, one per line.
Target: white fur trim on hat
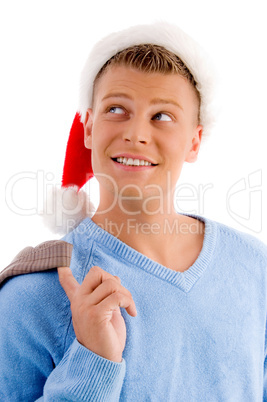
(162, 34)
(65, 208)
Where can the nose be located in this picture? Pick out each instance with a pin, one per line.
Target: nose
(138, 132)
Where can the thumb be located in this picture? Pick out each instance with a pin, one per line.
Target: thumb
(67, 281)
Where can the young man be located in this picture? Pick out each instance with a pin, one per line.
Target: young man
(156, 305)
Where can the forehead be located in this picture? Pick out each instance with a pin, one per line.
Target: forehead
(135, 84)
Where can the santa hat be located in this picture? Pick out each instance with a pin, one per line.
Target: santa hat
(69, 205)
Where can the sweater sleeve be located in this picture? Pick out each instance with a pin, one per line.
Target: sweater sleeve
(33, 360)
(84, 376)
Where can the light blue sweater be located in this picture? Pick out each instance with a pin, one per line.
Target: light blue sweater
(198, 336)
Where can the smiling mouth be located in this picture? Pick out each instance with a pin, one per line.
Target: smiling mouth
(132, 162)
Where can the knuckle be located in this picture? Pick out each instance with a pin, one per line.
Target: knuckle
(112, 285)
(118, 288)
(117, 278)
(117, 296)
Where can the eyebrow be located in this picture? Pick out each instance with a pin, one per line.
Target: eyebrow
(157, 101)
(117, 95)
(154, 101)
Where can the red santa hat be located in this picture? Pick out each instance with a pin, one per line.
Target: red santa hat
(68, 206)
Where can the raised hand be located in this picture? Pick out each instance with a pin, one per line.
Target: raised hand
(95, 307)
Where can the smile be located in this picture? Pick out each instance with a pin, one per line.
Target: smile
(132, 162)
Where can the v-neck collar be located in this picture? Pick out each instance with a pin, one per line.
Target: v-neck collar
(183, 280)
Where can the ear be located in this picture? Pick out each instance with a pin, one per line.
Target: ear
(88, 125)
(195, 145)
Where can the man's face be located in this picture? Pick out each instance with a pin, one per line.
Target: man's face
(142, 127)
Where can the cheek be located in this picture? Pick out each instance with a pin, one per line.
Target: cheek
(100, 142)
(176, 154)
(177, 148)
(98, 137)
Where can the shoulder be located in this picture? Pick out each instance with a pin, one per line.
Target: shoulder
(33, 284)
(244, 240)
(239, 245)
(36, 295)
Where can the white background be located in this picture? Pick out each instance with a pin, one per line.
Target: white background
(43, 47)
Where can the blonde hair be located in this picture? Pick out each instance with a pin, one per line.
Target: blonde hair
(150, 58)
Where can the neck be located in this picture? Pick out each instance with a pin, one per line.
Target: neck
(156, 233)
(132, 218)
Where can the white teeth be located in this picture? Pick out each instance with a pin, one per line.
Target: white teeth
(129, 162)
(133, 162)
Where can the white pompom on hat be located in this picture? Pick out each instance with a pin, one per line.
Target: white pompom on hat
(77, 170)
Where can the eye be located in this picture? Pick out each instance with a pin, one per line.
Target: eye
(162, 117)
(116, 110)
